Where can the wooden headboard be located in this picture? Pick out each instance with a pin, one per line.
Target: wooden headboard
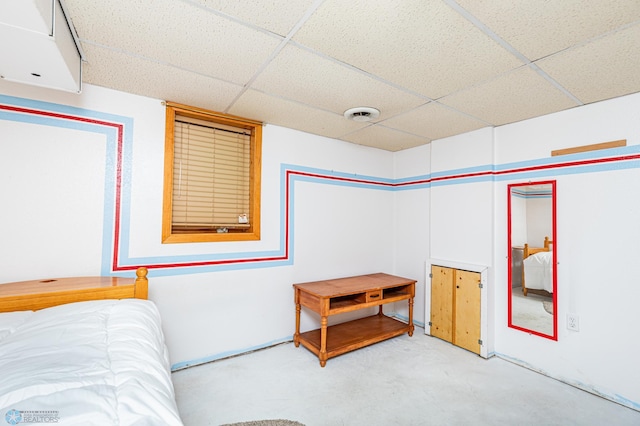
(40, 294)
(528, 251)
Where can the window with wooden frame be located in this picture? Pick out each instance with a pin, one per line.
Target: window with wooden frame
(211, 176)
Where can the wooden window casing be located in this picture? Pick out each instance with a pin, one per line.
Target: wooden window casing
(212, 174)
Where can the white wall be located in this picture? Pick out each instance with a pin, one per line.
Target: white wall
(597, 232)
(461, 214)
(462, 200)
(411, 228)
(60, 172)
(519, 221)
(597, 211)
(539, 220)
(71, 214)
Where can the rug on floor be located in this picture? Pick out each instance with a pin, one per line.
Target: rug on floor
(548, 306)
(277, 422)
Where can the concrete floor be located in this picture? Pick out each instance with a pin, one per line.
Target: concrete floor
(417, 380)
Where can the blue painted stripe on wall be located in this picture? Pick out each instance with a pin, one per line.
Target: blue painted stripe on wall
(110, 134)
(338, 174)
(289, 175)
(582, 156)
(64, 109)
(463, 171)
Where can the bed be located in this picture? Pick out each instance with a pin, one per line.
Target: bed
(537, 268)
(83, 351)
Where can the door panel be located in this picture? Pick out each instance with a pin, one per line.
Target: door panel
(467, 310)
(442, 303)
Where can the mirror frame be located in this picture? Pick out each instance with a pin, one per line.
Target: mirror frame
(554, 240)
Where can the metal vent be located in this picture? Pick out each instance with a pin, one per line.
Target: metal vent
(362, 114)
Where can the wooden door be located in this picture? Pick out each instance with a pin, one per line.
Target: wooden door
(466, 317)
(442, 302)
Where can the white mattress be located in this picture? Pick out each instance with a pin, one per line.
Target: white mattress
(89, 363)
(538, 271)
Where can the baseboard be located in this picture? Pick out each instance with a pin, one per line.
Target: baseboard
(578, 385)
(229, 354)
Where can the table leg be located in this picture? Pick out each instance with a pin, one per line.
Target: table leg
(323, 341)
(411, 327)
(296, 335)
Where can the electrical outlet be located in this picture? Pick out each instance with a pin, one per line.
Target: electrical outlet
(573, 322)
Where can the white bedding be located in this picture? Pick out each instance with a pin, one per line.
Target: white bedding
(88, 363)
(538, 271)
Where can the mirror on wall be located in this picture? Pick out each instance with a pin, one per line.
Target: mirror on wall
(532, 258)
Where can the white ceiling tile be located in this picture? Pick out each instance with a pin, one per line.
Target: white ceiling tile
(422, 45)
(133, 75)
(603, 69)
(282, 112)
(325, 84)
(394, 55)
(434, 121)
(540, 28)
(516, 96)
(378, 136)
(278, 16)
(176, 33)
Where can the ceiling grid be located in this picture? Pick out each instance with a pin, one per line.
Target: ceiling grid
(434, 68)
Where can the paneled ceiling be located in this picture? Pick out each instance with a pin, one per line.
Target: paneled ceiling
(434, 68)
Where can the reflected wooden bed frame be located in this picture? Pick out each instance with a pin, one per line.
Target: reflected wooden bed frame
(528, 251)
(45, 293)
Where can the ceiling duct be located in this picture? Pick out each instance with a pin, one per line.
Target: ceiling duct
(39, 46)
(362, 114)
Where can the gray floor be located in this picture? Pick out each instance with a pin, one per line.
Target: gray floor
(416, 380)
(528, 312)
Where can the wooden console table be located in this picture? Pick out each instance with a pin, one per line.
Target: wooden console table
(336, 296)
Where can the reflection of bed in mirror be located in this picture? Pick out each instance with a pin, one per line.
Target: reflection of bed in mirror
(531, 209)
(537, 269)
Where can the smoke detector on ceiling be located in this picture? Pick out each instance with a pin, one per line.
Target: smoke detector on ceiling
(361, 114)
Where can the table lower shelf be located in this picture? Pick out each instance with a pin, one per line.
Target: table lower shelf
(356, 334)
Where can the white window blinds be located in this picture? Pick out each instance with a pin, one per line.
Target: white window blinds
(211, 176)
